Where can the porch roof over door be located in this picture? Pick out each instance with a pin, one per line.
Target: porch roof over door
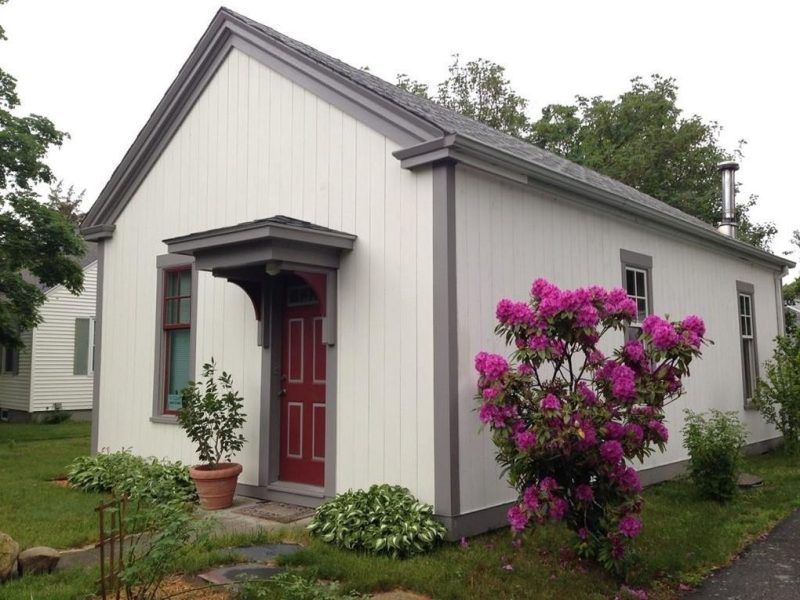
(274, 244)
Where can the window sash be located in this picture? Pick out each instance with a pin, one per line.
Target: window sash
(748, 344)
(636, 286)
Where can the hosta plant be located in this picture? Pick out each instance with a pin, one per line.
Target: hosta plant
(382, 520)
(566, 418)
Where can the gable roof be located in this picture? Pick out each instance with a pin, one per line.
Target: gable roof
(430, 132)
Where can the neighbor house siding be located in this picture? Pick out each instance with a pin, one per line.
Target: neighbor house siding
(15, 388)
(54, 347)
(253, 146)
(508, 234)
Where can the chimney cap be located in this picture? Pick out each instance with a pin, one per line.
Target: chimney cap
(728, 165)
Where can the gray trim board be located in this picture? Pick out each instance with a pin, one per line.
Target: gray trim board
(163, 263)
(98, 336)
(98, 233)
(447, 493)
(612, 194)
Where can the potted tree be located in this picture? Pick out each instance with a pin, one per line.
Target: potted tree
(211, 414)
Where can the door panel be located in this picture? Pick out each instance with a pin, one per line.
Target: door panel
(303, 374)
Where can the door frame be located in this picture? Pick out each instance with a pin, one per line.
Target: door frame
(271, 487)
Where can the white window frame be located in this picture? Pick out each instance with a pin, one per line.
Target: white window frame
(90, 349)
(637, 263)
(747, 336)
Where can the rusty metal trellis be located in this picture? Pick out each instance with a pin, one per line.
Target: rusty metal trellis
(112, 539)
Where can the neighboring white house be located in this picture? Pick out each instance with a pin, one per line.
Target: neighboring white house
(339, 245)
(56, 365)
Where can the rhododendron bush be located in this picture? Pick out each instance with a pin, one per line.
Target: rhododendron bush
(566, 419)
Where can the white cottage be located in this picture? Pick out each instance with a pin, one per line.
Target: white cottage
(339, 245)
(56, 366)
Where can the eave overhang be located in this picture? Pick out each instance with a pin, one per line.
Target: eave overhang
(462, 149)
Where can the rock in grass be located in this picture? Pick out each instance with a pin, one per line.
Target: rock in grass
(9, 550)
(40, 559)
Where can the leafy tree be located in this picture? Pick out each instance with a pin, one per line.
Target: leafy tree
(67, 202)
(643, 139)
(640, 138)
(478, 89)
(791, 292)
(34, 239)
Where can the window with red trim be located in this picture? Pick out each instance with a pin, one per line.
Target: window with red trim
(177, 325)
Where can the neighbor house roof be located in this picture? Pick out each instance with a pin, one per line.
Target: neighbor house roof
(441, 133)
(85, 261)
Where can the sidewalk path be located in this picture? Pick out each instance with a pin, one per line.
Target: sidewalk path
(769, 569)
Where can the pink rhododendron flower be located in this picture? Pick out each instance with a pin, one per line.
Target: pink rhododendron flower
(525, 369)
(531, 498)
(630, 526)
(589, 397)
(651, 322)
(491, 366)
(634, 350)
(525, 440)
(583, 533)
(584, 493)
(548, 484)
(542, 287)
(514, 313)
(539, 342)
(665, 337)
(558, 508)
(623, 382)
(550, 402)
(595, 357)
(629, 480)
(490, 393)
(659, 429)
(694, 324)
(634, 433)
(517, 518)
(611, 451)
(614, 430)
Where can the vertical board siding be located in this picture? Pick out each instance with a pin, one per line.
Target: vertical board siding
(256, 145)
(53, 348)
(508, 234)
(15, 389)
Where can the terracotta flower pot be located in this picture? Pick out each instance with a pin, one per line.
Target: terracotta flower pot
(216, 484)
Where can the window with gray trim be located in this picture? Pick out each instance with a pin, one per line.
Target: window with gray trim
(637, 282)
(747, 332)
(176, 293)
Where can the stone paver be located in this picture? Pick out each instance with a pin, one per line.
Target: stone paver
(240, 572)
(768, 570)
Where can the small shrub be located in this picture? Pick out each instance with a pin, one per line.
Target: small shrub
(148, 479)
(293, 586)
(777, 396)
(212, 416)
(170, 532)
(56, 416)
(714, 443)
(382, 520)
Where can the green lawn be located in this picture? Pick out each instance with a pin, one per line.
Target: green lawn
(34, 511)
(683, 537)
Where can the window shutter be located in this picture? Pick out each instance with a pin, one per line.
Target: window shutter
(80, 364)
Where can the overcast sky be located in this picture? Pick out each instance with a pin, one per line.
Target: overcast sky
(98, 68)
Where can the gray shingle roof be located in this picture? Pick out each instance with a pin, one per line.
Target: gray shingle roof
(451, 122)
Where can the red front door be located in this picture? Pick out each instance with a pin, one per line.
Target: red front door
(303, 382)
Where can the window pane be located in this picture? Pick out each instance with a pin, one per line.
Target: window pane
(641, 309)
(747, 357)
(177, 367)
(640, 287)
(185, 283)
(184, 312)
(630, 282)
(172, 284)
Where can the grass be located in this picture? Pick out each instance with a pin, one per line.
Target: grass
(684, 537)
(35, 512)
